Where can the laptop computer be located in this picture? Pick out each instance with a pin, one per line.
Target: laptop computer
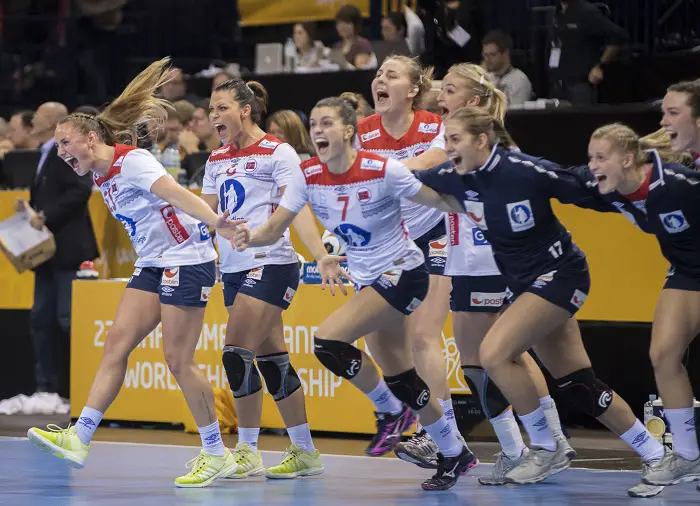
(268, 58)
(384, 48)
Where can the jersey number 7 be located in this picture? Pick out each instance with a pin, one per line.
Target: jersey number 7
(345, 199)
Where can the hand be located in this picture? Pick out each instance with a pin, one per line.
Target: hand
(595, 76)
(21, 206)
(225, 227)
(332, 273)
(241, 238)
(188, 141)
(37, 220)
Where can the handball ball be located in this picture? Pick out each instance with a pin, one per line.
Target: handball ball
(301, 261)
(332, 244)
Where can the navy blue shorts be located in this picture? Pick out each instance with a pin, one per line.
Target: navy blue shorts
(566, 287)
(433, 244)
(403, 290)
(274, 284)
(187, 285)
(677, 280)
(478, 294)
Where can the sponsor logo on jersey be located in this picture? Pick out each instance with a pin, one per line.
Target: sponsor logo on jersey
(128, 223)
(231, 196)
(471, 194)
(674, 222)
(250, 165)
(453, 226)
(438, 248)
(364, 195)
(267, 144)
(371, 164)
(428, 128)
(232, 169)
(475, 210)
(578, 298)
(478, 237)
(520, 215)
(353, 235)
(256, 273)
(203, 232)
(313, 170)
(171, 277)
(370, 135)
(289, 295)
(173, 224)
(206, 294)
(485, 299)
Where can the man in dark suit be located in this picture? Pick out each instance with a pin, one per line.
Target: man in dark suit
(58, 200)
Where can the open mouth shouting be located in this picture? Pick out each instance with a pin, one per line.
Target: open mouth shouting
(221, 130)
(322, 145)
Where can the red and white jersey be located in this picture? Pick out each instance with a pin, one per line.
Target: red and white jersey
(362, 208)
(468, 251)
(163, 236)
(423, 134)
(248, 182)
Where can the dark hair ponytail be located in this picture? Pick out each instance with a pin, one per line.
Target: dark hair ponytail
(252, 93)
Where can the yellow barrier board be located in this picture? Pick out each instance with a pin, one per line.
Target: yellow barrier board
(273, 12)
(150, 392)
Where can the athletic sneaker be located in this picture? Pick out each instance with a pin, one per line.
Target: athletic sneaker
(62, 443)
(296, 462)
(570, 453)
(503, 466)
(249, 462)
(450, 469)
(205, 468)
(641, 489)
(539, 464)
(389, 430)
(420, 450)
(673, 469)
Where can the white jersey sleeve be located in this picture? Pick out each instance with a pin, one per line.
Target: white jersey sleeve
(141, 169)
(209, 180)
(296, 195)
(402, 182)
(285, 161)
(439, 140)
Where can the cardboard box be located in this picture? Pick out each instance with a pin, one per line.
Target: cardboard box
(24, 246)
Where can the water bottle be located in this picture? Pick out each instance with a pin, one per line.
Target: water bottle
(171, 162)
(156, 152)
(290, 56)
(649, 409)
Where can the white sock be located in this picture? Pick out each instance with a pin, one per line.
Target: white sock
(211, 439)
(419, 427)
(445, 438)
(449, 413)
(642, 442)
(685, 442)
(550, 411)
(87, 424)
(249, 437)
(538, 429)
(301, 437)
(384, 400)
(508, 433)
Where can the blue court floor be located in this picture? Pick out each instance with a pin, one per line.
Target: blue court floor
(141, 474)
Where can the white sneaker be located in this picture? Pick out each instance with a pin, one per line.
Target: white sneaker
(13, 405)
(43, 403)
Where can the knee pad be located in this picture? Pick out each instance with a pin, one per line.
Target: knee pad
(243, 376)
(493, 402)
(586, 392)
(342, 359)
(409, 388)
(280, 377)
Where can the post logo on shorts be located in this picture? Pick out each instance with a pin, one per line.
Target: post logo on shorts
(520, 216)
(206, 294)
(413, 305)
(484, 299)
(353, 235)
(674, 222)
(289, 295)
(438, 248)
(475, 210)
(578, 298)
(173, 223)
(171, 277)
(231, 196)
(256, 273)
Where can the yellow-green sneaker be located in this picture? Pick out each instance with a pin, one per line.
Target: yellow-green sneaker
(205, 468)
(249, 462)
(62, 443)
(296, 462)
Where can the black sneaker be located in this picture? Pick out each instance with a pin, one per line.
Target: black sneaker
(449, 469)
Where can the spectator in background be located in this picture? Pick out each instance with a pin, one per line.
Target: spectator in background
(203, 129)
(176, 88)
(288, 127)
(90, 110)
(582, 39)
(219, 78)
(20, 131)
(407, 25)
(359, 103)
(357, 50)
(4, 129)
(496, 48)
(309, 50)
(59, 201)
